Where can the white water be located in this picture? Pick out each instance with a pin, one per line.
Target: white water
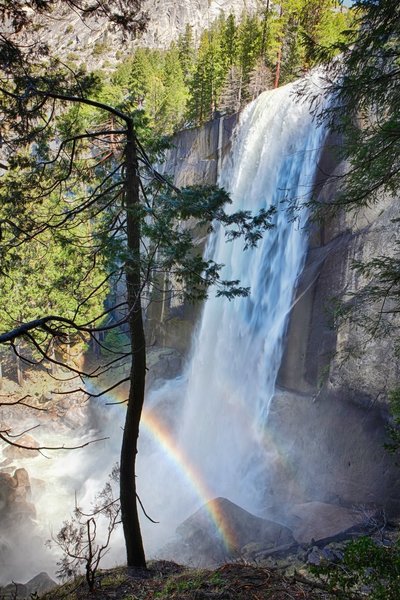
(230, 380)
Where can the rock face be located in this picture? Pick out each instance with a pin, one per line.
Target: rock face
(194, 158)
(318, 521)
(342, 360)
(221, 530)
(335, 376)
(97, 44)
(172, 16)
(15, 506)
(333, 453)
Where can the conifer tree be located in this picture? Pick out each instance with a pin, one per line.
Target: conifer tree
(207, 79)
(173, 105)
(229, 41)
(186, 52)
(250, 37)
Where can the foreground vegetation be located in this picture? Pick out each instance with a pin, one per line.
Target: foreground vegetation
(352, 570)
(167, 580)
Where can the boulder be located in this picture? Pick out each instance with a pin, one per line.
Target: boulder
(319, 521)
(14, 590)
(15, 505)
(40, 584)
(221, 530)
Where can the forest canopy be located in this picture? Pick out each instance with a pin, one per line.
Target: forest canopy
(227, 65)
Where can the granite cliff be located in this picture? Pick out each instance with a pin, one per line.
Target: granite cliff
(330, 410)
(96, 43)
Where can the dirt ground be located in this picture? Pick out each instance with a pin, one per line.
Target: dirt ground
(167, 580)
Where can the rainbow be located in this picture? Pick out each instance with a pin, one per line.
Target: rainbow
(158, 431)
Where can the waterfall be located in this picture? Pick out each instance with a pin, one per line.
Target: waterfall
(219, 446)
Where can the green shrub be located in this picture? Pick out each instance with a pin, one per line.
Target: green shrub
(115, 342)
(367, 568)
(99, 48)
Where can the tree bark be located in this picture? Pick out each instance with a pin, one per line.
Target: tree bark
(279, 56)
(129, 509)
(278, 67)
(18, 362)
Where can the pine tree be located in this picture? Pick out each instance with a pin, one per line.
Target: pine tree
(173, 105)
(229, 42)
(186, 52)
(250, 42)
(207, 79)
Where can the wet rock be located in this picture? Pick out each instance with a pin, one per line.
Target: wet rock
(314, 557)
(317, 521)
(326, 461)
(221, 530)
(163, 363)
(14, 590)
(25, 440)
(40, 584)
(15, 492)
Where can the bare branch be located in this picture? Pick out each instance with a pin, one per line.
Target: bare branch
(91, 395)
(5, 436)
(21, 402)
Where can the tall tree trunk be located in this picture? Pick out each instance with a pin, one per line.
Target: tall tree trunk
(264, 31)
(52, 352)
(278, 67)
(279, 55)
(129, 509)
(18, 362)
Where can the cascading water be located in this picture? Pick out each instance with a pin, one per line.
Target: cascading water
(219, 441)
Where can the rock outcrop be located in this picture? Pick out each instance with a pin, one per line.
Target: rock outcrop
(194, 158)
(38, 585)
(220, 530)
(15, 507)
(97, 43)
